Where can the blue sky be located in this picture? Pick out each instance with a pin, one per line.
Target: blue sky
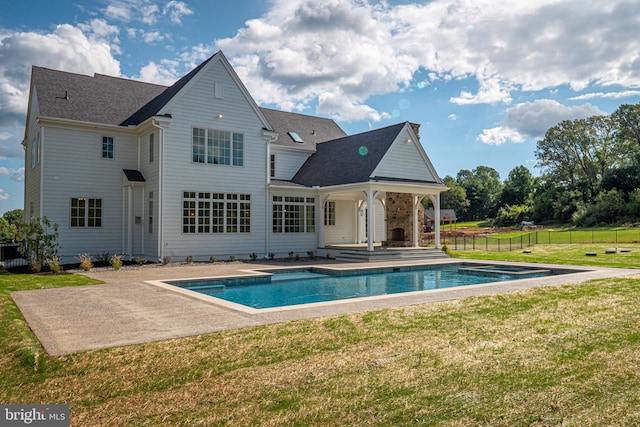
(483, 78)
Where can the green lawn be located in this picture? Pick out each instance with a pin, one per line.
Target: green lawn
(564, 254)
(547, 356)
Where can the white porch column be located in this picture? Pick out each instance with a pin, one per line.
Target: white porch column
(323, 202)
(436, 219)
(370, 219)
(416, 222)
(130, 222)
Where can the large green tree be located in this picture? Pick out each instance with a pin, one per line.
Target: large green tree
(518, 187)
(578, 153)
(483, 188)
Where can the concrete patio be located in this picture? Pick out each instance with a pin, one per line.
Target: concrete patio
(129, 309)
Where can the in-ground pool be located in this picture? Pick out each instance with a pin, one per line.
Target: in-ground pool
(293, 286)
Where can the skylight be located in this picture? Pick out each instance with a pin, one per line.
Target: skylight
(296, 137)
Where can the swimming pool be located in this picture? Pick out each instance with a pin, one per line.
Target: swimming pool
(286, 287)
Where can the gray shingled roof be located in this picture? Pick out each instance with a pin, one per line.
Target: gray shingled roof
(153, 106)
(347, 160)
(98, 99)
(313, 130)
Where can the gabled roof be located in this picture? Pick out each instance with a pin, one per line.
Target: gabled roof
(445, 214)
(151, 108)
(98, 99)
(347, 160)
(313, 130)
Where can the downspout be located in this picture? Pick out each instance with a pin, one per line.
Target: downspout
(267, 203)
(160, 182)
(41, 149)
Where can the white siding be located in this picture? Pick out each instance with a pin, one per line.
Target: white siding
(405, 160)
(196, 106)
(151, 173)
(32, 175)
(344, 232)
(74, 167)
(288, 163)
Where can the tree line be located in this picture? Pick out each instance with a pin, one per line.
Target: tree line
(590, 176)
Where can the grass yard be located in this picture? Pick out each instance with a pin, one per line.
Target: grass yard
(547, 356)
(574, 254)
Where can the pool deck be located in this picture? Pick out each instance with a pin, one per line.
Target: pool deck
(132, 308)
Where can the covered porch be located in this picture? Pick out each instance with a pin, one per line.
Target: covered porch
(393, 226)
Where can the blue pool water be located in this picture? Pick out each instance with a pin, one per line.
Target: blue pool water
(304, 286)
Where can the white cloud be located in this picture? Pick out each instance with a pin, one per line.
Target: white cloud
(452, 117)
(66, 48)
(17, 175)
(165, 73)
(176, 10)
(609, 95)
(301, 49)
(153, 37)
(533, 119)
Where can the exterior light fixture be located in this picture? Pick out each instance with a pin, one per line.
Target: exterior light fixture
(219, 116)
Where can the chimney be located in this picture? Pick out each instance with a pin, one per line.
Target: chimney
(416, 129)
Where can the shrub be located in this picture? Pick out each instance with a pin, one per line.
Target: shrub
(140, 260)
(311, 255)
(212, 259)
(54, 264)
(232, 258)
(253, 256)
(166, 260)
(297, 257)
(85, 261)
(189, 259)
(40, 238)
(271, 255)
(291, 254)
(116, 262)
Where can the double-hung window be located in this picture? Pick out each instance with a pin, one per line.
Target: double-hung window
(107, 147)
(217, 147)
(86, 212)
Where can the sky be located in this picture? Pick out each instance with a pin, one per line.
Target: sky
(485, 79)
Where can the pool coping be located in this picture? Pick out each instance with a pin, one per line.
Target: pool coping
(127, 309)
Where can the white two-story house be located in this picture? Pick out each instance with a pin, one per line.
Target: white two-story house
(198, 169)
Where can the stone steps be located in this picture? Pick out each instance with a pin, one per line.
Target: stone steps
(389, 254)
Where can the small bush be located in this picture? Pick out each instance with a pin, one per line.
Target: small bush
(85, 261)
(212, 259)
(166, 260)
(54, 264)
(140, 260)
(291, 254)
(253, 256)
(445, 249)
(311, 255)
(116, 262)
(232, 258)
(271, 255)
(297, 257)
(189, 259)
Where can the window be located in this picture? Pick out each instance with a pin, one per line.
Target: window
(205, 212)
(86, 212)
(217, 147)
(35, 151)
(150, 212)
(330, 213)
(294, 214)
(151, 148)
(107, 147)
(272, 165)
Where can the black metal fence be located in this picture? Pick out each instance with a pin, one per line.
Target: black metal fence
(460, 242)
(11, 255)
